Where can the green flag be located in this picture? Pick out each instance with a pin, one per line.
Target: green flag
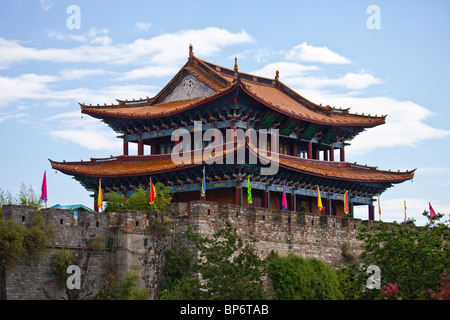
(249, 191)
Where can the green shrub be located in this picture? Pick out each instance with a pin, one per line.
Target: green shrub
(297, 278)
(61, 260)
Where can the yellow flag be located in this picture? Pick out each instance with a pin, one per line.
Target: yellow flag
(319, 200)
(404, 202)
(100, 195)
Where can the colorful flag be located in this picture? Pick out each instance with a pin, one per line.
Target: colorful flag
(404, 203)
(249, 191)
(203, 190)
(346, 205)
(283, 200)
(319, 200)
(152, 192)
(100, 195)
(379, 206)
(44, 189)
(432, 213)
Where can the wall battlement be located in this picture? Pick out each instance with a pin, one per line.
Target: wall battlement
(286, 232)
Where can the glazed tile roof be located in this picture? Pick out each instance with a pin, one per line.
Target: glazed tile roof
(272, 93)
(152, 164)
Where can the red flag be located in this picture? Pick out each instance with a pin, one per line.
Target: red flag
(44, 189)
(379, 205)
(152, 192)
(432, 213)
(346, 206)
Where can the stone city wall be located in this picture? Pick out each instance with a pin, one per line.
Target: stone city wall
(304, 234)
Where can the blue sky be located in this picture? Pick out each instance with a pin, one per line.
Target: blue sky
(323, 49)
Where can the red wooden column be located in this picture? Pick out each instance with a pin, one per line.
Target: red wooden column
(371, 212)
(310, 153)
(291, 202)
(332, 153)
(325, 155)
(125, 146)
(153, 146)
(237, 193)
(295, 149)
(343, 153)
(266, 198)
(140, 146)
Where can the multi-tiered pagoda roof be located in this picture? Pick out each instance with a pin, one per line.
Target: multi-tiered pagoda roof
(309, 137)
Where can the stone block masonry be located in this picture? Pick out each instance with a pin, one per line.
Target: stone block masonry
(286, 232)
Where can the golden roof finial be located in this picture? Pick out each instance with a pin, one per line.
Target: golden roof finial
(235, 67)
(277, 75)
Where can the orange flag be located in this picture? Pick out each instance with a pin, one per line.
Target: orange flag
(152, 192)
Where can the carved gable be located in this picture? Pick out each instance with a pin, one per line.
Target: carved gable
(188, 88)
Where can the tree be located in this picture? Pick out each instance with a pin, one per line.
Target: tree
(122, 289)
(27, 197)
(114, 202)
(411, 258)
(297, 278)
(140, 200)
(227, 268)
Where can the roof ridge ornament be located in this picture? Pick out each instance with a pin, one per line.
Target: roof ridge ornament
(191, 52)
(236, 73)
(277, 75)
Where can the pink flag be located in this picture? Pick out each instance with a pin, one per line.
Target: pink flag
(44, 189)
(432, 213)
(283, 200)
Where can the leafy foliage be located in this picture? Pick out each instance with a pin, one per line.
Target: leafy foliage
(61, 260)
(16, 240)
(297, 278)
(122, 289)
(411, 259)
(140, 200)
(228, 266)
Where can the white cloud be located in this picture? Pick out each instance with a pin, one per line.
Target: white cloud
(351, 80)
(405, 124)
(308, 53)
(288, 70)
(13, 115)
(87, 132)
(163, 49)
(260, 54)
(99, 36)
(142, 26)
(62, 36)
(77, 74)
(148, 72)
(37, 87)
(46, 4)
